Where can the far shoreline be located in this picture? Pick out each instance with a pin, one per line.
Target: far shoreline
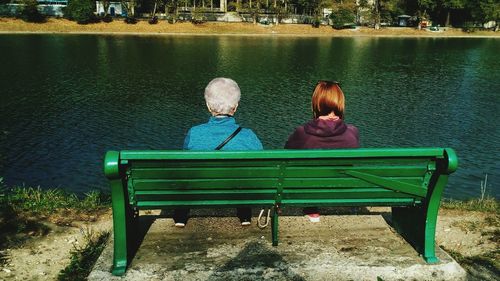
(55, 26)
(186, 34)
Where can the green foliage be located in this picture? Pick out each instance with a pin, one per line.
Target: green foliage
(30, 13)
(81, 11)
(14, 227)
(107, 18)
(83, 259)
(484, 10)
(36, 201)
(488, 204)
(130, 20)
(426, 5)
(21, 209)
(129, 6)
(453, 4)
(342, 16)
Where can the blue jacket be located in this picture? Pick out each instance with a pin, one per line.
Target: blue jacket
(209, 135)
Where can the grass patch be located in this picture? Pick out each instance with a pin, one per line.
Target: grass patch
(23, 210)
(487, 205)
(83, 259)
(44, 202)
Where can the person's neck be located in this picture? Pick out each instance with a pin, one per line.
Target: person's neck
(222, 115)
(330, 116)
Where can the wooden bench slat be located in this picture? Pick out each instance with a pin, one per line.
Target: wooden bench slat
(426, 152)
(368, 202)
(289, 172)
(184, 184)
(204, 204)
(345, 193)
(256, 163)
(142, 184)
(190, 195)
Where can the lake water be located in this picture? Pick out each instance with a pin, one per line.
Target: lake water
(67, 99)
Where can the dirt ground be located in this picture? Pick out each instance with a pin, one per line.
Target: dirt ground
(463, 232)
(53, 25)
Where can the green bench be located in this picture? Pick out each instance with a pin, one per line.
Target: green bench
(410, 180)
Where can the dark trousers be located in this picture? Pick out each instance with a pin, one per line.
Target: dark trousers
(181, 215)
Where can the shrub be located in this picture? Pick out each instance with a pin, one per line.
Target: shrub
(316, 22)
(81, 11)
(30, 13)
(342, 17)
(130, 20)
(153, 20)
(107, 19)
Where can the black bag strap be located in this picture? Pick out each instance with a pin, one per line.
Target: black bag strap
(228, 139)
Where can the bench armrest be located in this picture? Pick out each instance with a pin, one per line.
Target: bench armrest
(111, 168)
(451, 161)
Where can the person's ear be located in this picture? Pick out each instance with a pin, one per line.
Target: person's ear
(209, 109)
(234, 109)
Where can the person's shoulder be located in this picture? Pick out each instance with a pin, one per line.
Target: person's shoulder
(300, 129)
(249, 140)
(249, 133)
(352, 128)
(199, 127)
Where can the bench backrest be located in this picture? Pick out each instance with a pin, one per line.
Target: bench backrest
(351, 177)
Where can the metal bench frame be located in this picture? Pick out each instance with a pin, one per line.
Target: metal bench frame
(410, 180)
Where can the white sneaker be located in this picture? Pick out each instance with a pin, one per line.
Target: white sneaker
(245, 223)
(313, 217)
(180, 224)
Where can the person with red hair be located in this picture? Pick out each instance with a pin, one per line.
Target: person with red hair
(327, 129)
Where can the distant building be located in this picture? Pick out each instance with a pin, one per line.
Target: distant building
(46, 7)
(115, 9)
(404, 20)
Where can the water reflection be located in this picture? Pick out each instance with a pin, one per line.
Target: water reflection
(65, 100)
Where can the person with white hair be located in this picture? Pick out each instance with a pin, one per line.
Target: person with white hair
(221, 132)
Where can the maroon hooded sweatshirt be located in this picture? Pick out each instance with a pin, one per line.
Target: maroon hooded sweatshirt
(319, 133)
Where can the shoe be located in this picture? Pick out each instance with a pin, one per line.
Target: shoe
(180, 224)
(314, 217)
(246, 222)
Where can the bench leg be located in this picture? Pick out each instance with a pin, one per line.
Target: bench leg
(274, 227)
(418, 224)
(122, 218)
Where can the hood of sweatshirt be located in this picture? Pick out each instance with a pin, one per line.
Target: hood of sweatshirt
(325, 128)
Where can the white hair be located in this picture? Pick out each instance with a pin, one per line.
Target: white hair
(222, 95)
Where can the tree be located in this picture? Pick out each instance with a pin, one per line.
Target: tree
(376, 13)
(171, 7)
(452, 5)
(280, 9)
(129, 6)
(424, 6)
(81, 11)
(342, 15)
(255, 10)
(105, 6)
(485, 11)
(314, 7)
(154, 18)
(30, 13)
(363, 12)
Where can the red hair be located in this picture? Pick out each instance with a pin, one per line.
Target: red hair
(327, 98)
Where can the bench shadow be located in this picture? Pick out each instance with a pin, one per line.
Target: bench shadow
(294, 211)
(288, 211)
(258, 262)
(143, 225)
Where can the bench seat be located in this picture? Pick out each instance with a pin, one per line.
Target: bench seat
(410, 180)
